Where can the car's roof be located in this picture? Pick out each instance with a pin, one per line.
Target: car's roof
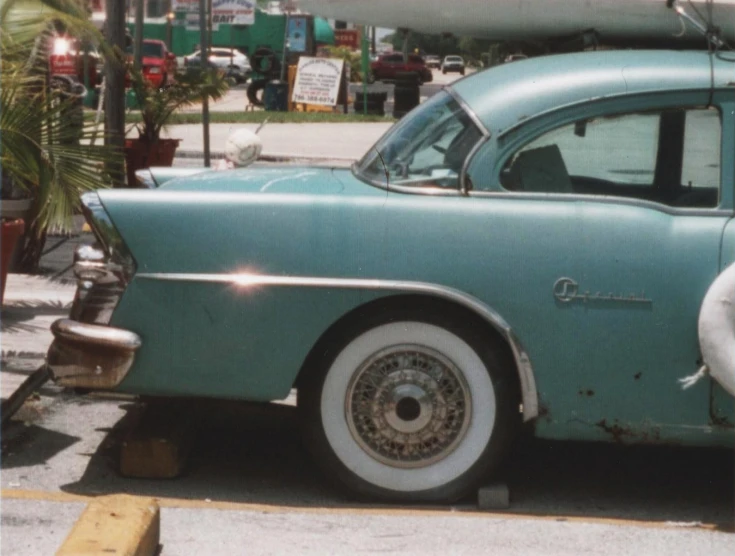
(504, 95)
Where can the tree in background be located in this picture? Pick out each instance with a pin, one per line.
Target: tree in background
(45, 155)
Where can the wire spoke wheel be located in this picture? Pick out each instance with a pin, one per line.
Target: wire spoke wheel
(409, 410)
(408, 406)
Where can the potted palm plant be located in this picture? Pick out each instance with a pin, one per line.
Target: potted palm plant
(157, 106)
(48, 155)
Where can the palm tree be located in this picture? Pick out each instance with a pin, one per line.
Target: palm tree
(44, 152)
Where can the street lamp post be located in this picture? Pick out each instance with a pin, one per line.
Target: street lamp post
(204, 61)
(169, 29)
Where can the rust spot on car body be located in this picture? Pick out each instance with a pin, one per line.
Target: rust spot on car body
(625, 434)
(719, 420)
(615, 430)
(543, 412)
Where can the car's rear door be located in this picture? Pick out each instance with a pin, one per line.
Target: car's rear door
(627, 239)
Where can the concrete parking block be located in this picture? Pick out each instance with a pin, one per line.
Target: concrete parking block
(118, 524)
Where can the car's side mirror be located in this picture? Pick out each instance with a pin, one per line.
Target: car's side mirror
(171, 56)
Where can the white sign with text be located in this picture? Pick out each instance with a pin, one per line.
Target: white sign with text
(318, 81)
(234, 12)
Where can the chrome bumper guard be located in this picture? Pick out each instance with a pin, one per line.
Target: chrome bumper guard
(90, 355)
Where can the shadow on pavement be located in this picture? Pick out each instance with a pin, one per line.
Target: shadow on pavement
(666, 484)
(16, 317)
(241, 452)
(18, 439)
(252, 453)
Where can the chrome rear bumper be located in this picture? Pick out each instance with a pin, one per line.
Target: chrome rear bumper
(90, 355)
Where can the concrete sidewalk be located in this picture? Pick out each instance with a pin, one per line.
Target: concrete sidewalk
(31, 304)
(348, 141)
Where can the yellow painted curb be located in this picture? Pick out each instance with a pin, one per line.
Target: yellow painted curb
(118, 524)
(368, 510)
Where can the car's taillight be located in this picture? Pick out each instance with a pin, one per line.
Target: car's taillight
(103, 270)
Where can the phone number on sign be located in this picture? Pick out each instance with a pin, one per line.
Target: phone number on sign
(314, 98)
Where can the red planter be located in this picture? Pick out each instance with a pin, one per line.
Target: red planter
(11, 231)
(140, 154)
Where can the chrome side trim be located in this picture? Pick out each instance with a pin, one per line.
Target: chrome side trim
(247, 280)
(466, 164)
(463, 189)
(607, 199)
(410, 190)
(466, 107)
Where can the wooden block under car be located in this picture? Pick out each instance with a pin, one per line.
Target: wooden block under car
(156, 447)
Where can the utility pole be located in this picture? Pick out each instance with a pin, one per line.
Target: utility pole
(115, 88)
(204, 62)
(138, 60)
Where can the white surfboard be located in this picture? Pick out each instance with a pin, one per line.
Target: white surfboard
(632, 22)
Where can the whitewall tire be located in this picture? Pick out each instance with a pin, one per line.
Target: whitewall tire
(411, 410)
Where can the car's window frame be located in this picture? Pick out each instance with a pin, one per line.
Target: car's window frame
(491, 159)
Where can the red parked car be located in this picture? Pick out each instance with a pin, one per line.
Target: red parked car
(387, 66)
(159, 65)
(66, 58)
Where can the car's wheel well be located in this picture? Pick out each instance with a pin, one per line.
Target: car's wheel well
(332, 338)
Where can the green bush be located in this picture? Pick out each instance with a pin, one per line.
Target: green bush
(352, 58)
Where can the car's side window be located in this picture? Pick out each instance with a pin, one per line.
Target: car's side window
(668, 156)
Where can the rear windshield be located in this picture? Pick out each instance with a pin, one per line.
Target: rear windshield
(150, 50)
(425, 149)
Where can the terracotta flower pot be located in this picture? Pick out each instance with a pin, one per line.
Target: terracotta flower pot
(11, 231)
(140, 154)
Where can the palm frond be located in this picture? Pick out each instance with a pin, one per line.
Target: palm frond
(46, 147)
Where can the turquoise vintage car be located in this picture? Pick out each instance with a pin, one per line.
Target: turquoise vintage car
(532, 244)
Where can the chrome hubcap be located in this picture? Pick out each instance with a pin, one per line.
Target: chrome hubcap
(408, 406)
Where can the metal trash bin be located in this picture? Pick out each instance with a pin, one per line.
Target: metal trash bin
(275, 96)
(375, 103)
(406, 93)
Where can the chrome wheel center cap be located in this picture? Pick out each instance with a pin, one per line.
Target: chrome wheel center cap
(409, 408)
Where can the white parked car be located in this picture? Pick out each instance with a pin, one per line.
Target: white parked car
(453, 63)
(231, 60)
